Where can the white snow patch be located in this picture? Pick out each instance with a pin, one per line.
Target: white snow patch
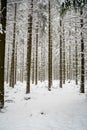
(60, 109)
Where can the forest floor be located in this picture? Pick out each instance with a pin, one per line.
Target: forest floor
(60, 109)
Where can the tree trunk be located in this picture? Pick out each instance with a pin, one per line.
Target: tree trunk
(60, 53)
(12, 73)
(15, 64)
(23, 61)
(2, 50)
(82, 56)
(36, 53)
(33, 69)
(76, 64)
(64, 69)
(7, 79)
(70, 71)
(29, 47)
(49, 53)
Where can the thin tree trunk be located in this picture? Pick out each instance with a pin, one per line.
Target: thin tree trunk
(36, 54)
(2, 50)
(49, 54)
(64, 69)
(67, 70)
(23, 62)
(12, 73)
(82, 56)
(76, 55)
(29, 47)
(61, 54)
(70, 71)
(76, 64)
(7, 79)
(33, 70)
(15, 65)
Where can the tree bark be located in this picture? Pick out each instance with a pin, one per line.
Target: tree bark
(49, 53)
(36, 54)
(29, 47)
(64, 69)
(33, 69)
(12, 73)
(82, 56)
(7, 79)
(2, 50)
(60, 53)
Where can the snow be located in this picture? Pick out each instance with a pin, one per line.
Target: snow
(60, 109)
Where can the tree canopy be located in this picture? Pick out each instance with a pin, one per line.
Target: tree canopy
(67, 4)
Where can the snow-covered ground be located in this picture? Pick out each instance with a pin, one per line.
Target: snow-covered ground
(60, 109)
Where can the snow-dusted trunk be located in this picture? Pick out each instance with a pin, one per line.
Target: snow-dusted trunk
(82, 55)
(60, 53)
(49, 52)
(29, 47)
(2, 49)
(12, 73)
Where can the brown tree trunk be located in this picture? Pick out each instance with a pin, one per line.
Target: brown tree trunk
(49, 53)
(29, 47)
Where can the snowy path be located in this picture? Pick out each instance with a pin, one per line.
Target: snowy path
(60, 109)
